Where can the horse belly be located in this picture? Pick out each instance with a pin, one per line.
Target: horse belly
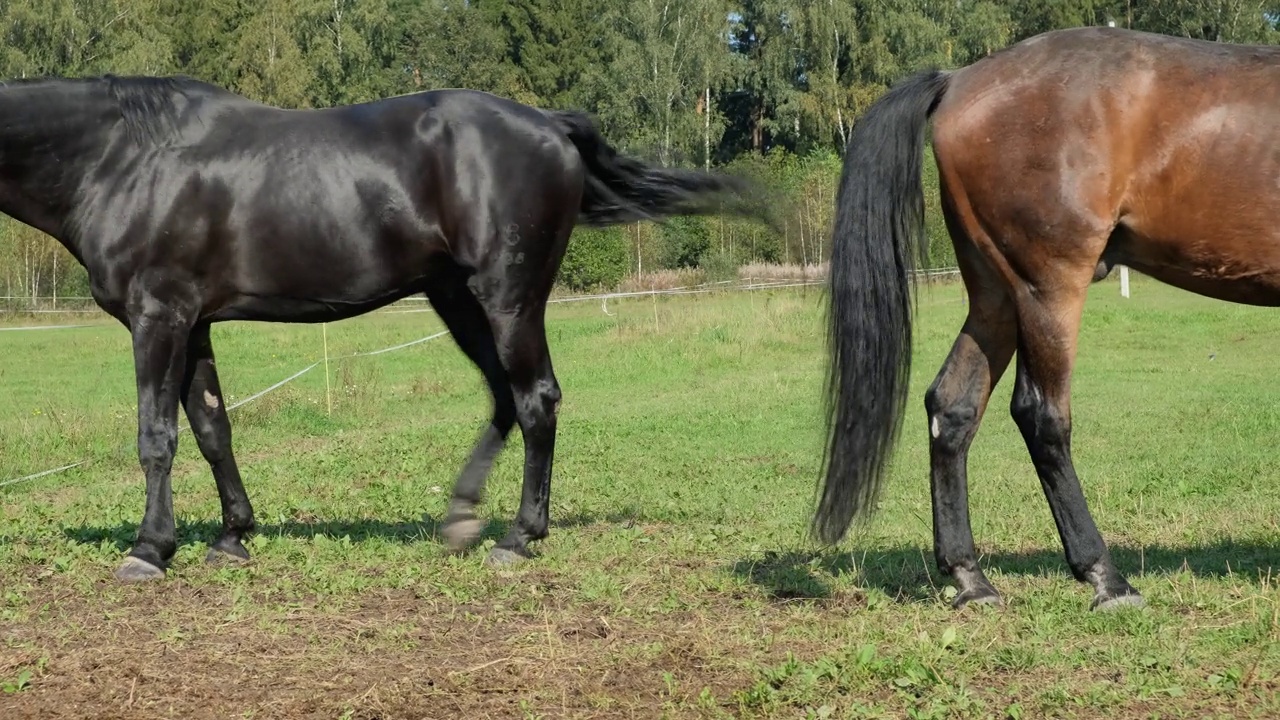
(1232, 261)
(359, 251)
(1201, 198)
(327, 287)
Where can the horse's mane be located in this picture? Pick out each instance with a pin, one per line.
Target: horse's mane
(150, 107)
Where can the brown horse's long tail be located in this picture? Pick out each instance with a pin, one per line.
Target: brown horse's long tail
(621, 189)
(878, 238)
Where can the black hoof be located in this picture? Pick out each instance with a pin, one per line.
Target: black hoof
(461, 533)
(134, 570)
(501, 558)
(978, 596)
(1108, 603)
(226, 551)
(461, 527)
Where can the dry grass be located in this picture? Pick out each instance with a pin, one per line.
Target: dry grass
(663, 280)
(749, 273)
(755, 272)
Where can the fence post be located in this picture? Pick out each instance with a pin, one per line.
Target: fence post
(328, 396)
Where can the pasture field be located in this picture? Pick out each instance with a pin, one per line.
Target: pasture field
(679, 580)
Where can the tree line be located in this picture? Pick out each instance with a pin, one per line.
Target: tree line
(764, 86)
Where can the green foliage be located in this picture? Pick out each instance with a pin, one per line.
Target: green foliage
(666, 57)
(768, 86)
(554, 46)
(719, 266)
(595, 258)
(351, 45)
(270, 59)
(942, 254)
(685, 241)
(456, 46)
(793, 73)
(19, 683)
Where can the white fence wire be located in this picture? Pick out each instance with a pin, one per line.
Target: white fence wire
(48, 305)
(245, 401)
(750, 284)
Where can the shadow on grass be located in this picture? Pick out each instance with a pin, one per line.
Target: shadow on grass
(123, 535)
(807, 575)
(909, 574)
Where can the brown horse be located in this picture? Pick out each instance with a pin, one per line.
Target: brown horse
(1059, 157)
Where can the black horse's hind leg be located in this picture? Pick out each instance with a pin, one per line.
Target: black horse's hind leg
(514, 295)
(160, 328)
(955, 403)
(522, 345)
(206, 411)
(1047, 329)
(469, 325)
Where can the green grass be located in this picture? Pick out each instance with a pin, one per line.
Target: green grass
(678, 580)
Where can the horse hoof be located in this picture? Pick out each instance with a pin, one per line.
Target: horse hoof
(137, 570)
(461, 534)
(227, 554)
(502, 558)
(983, 597)
(1128, 600)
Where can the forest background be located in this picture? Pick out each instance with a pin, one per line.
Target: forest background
(767, 87)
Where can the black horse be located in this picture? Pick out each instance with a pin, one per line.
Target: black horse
(190, 205)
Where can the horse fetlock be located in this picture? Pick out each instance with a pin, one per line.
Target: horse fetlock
(228, 548)
(461, 508)
(1111, 589)
(155, 547)
(972, 586)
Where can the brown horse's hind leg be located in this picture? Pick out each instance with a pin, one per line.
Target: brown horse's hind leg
(1048, 323)
(955, 403)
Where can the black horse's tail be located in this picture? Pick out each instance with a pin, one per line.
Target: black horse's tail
(879, 229)
(622, 189)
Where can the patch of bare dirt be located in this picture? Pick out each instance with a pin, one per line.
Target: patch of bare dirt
(171, 651)
(176, 650)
